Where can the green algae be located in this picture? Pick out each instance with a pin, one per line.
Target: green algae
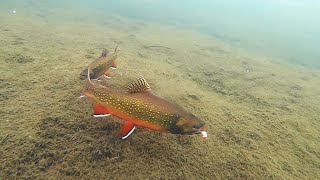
(263, 115)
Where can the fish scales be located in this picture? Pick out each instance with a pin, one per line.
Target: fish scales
(135, 107)
(101, 65)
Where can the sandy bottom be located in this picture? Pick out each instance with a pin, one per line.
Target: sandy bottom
(263, 114)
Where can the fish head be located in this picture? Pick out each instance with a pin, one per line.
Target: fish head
(190, 124)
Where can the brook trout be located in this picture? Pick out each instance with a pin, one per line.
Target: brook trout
(139, 107)
(101, 65)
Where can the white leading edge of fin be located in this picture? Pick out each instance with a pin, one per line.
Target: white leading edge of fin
(100, 115)
(131, 131)
(82, 96)
(107, 76)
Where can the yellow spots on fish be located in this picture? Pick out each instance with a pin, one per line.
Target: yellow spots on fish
(134, 108)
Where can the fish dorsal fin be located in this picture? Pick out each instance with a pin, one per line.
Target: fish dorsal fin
(104, 53)
(139, 85)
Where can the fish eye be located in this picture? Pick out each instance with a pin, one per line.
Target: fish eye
(195, 126)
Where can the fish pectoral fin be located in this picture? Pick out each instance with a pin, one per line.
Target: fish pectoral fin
(100, 111)
(107, 74)
(140, 85)
(114, 65)
(127, 129)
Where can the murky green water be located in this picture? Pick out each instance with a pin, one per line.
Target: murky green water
(249, 69)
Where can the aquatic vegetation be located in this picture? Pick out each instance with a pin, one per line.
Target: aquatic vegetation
(263, 112)
(18, 58)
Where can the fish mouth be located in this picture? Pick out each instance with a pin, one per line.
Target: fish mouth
(204, 134)
(202, 131)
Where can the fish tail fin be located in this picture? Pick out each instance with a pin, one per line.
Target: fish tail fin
(116, 49)
(88, 73)
(88, 80)
(104, 53)
(88, 85)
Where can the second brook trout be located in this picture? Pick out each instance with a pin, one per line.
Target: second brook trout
(101, 65)
(139, 107)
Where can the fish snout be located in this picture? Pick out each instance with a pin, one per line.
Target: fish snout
(190, 125)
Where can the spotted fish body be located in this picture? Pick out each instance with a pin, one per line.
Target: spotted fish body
(101, 65)
(140, 107)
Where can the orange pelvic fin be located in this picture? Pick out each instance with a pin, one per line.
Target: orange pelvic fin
(127, 129)
(107, 74)
(100, 111)
(114, 65)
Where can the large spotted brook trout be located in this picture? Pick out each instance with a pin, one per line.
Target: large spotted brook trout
(139, 107)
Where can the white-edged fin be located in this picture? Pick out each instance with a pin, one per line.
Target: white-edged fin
(82, 96)
(129, 133)
(101, 115)
(204, 134)
(140, 85)
(106, 76)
